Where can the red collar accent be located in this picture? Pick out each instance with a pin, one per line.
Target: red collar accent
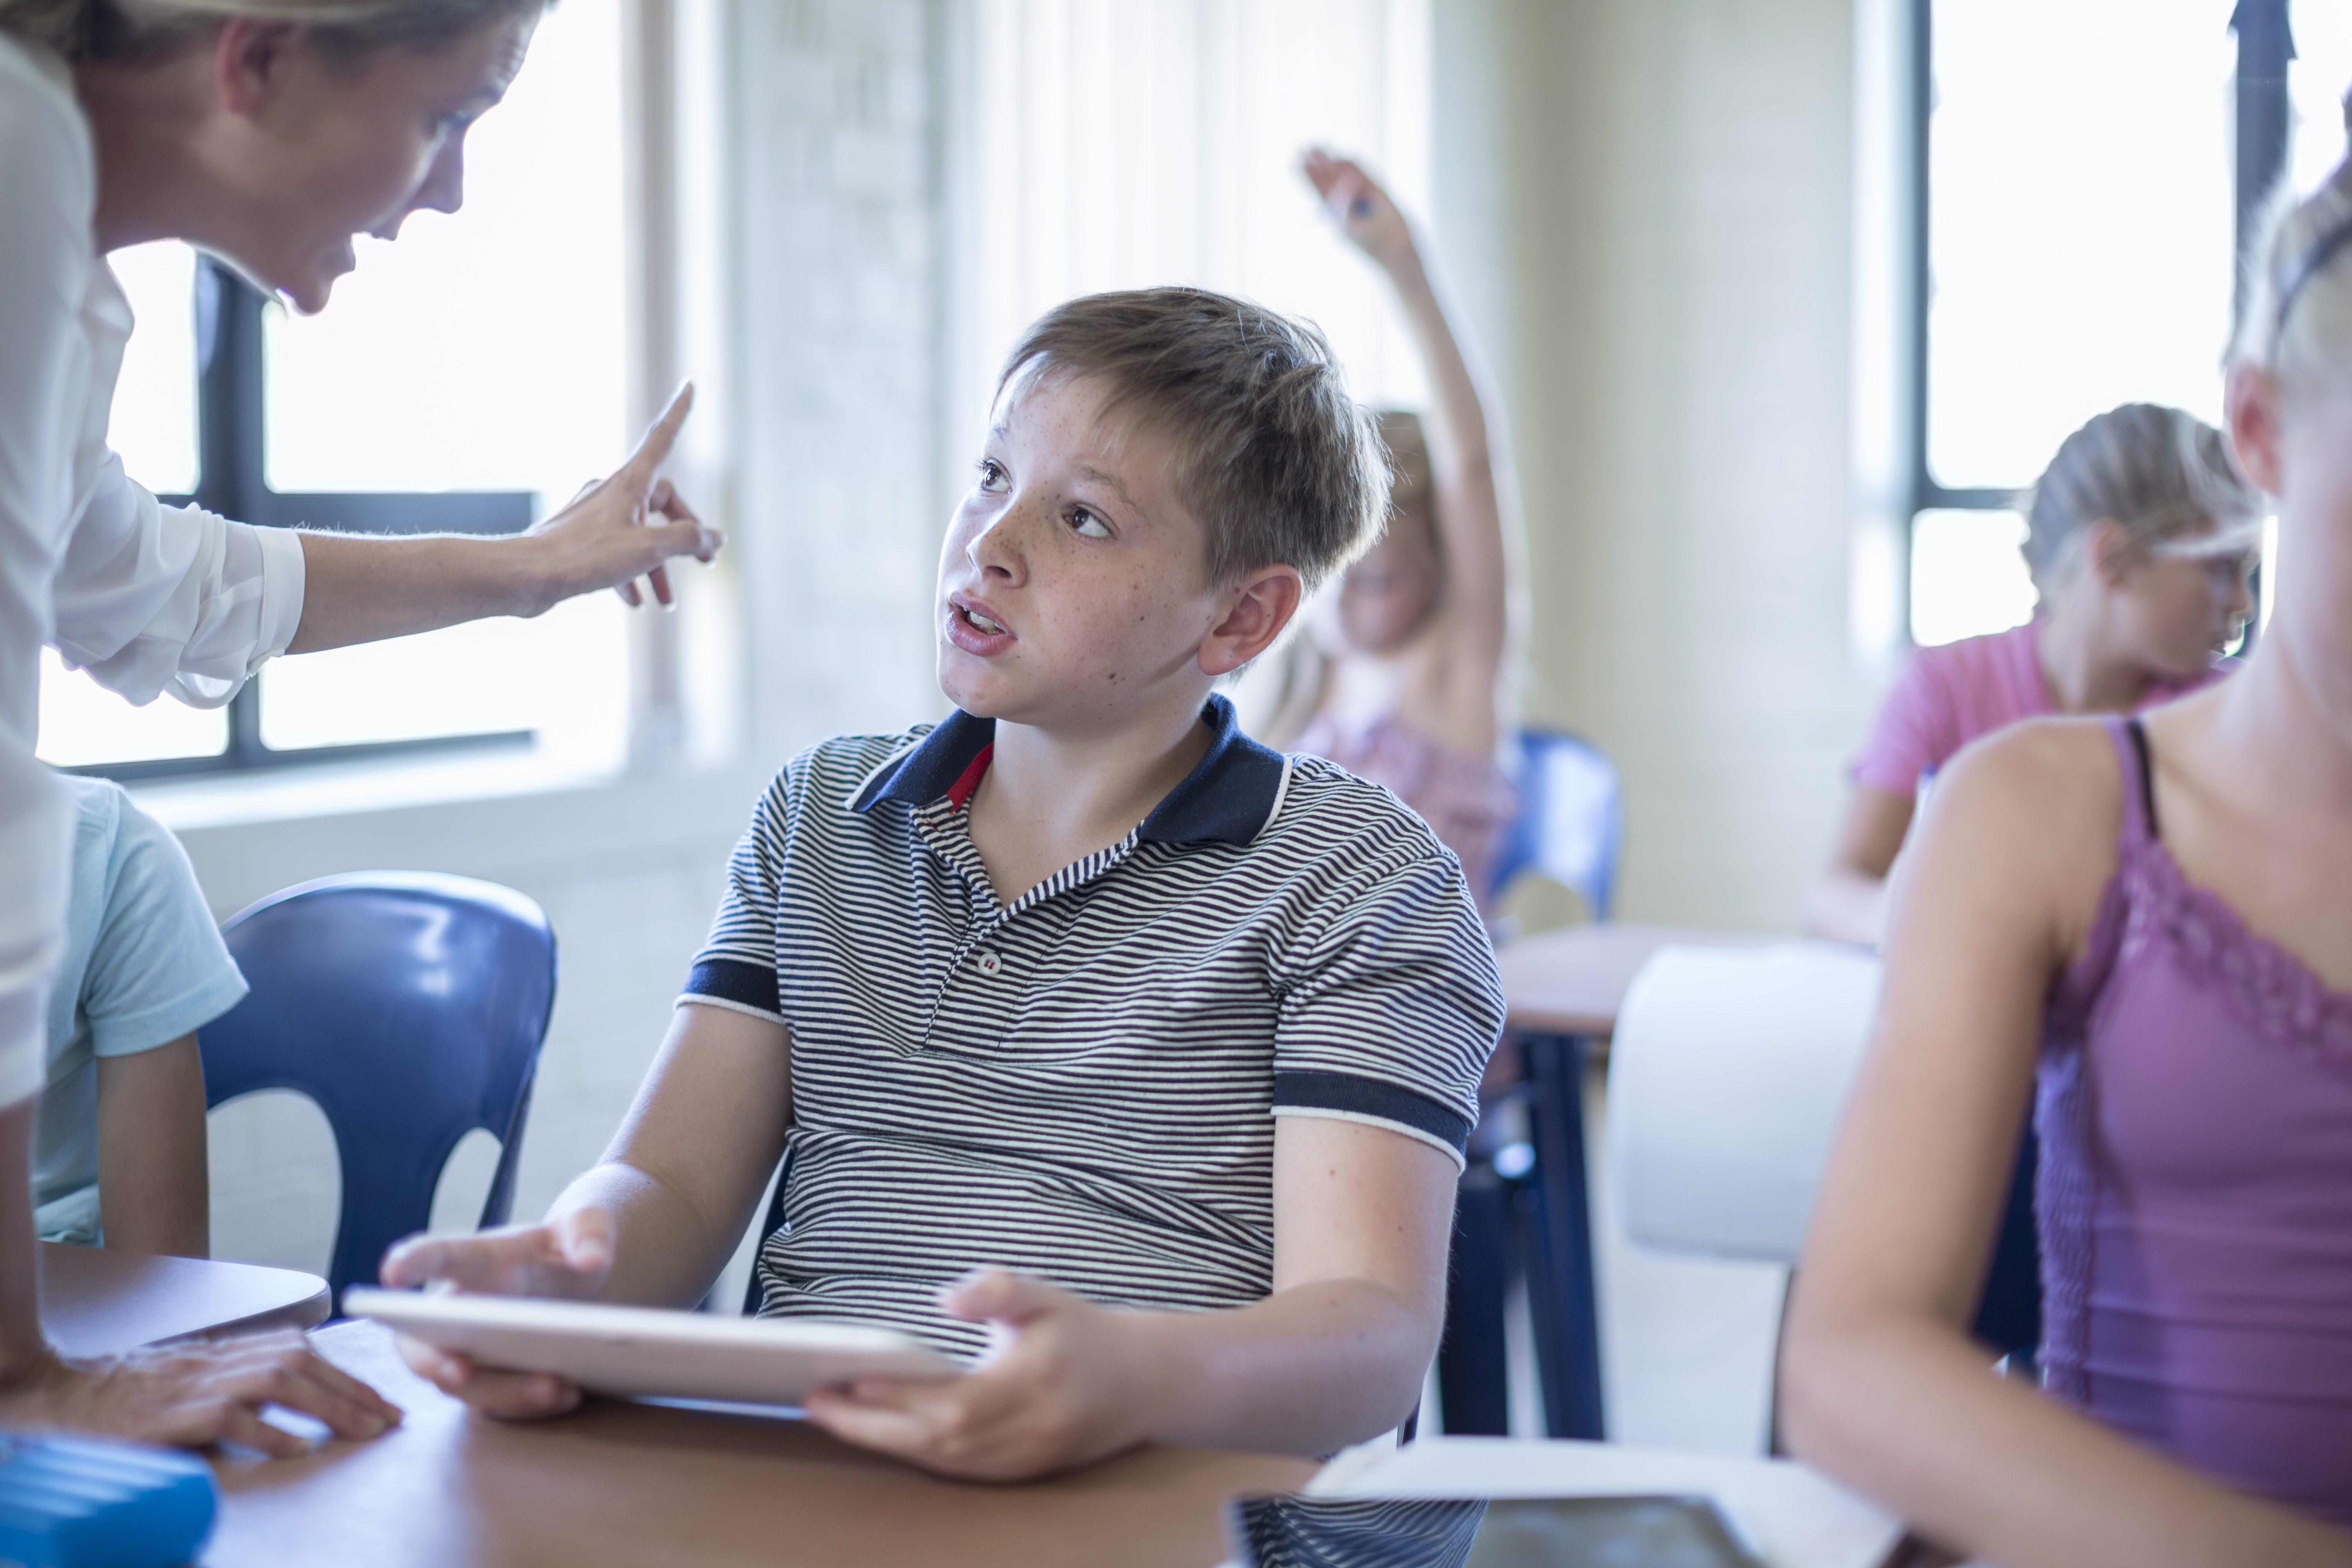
(959, 792)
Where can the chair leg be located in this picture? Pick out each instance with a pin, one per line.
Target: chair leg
(1472, 1373)
(1560, 1293)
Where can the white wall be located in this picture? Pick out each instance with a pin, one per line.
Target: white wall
(1647, 206)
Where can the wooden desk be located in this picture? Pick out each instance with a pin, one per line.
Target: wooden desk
(635, 1484)
(1572, 981)
(95, 1301)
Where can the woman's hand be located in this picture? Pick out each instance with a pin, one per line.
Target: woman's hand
(199, 1393)
(608, 536)
(568, 1257)
(1362, 210)
(1066, 1385)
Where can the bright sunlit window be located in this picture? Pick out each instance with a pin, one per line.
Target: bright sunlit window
(1166, 152)
(2081, 215)
(483, 350)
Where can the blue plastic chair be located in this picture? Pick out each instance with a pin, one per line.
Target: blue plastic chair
(1571, 821)
(1535, 1222)
(411, 1007)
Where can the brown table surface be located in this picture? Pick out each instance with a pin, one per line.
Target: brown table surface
(638, 1484)
(1572, 981)
(100, 1299)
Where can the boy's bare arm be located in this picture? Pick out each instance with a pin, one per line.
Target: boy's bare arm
(653, 1223)
(1336, 1354)
(154, 1189)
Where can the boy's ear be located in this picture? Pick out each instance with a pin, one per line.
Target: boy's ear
(1256, 610)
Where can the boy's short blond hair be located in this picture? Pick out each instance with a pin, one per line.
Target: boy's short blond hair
(1279, 464)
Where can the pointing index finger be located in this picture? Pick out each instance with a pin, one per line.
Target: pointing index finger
(655, 448)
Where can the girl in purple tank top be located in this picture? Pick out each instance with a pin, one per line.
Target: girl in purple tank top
(2144, 927)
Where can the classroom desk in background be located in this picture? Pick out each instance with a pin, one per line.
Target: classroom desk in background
(1572, 981)
(98, 1300)
(626, 1484)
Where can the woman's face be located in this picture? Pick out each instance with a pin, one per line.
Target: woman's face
(318, 150)
(1385, 597)
(2174, 612)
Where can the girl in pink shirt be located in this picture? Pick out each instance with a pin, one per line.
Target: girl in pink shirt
(2140, 538)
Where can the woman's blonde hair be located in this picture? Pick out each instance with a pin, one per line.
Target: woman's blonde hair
(2160, 474)
(2298, 320)
(132, 31)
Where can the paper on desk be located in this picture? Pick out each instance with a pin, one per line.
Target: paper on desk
(1794, 1516)
(1728, 1072)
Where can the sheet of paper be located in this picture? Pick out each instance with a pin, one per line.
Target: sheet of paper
(1793, 1517)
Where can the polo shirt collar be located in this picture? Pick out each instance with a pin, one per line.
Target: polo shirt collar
(1230, 796)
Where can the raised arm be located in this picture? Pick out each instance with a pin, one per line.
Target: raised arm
(360, 589)
(1881, 1385)
(1478, 512)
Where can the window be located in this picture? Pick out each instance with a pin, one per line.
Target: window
(468, 378)
(2083, 170)
(1167, 154)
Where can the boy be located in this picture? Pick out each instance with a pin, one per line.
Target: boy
(1014, 996)
(119, 1155)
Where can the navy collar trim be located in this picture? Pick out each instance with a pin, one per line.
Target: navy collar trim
(1229, 797)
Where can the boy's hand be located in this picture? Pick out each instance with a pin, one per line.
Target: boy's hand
(569, 1257)
(1360, 208)
(1066, 1385)
(199, 1393)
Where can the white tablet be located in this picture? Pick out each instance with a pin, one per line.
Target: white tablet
(645, 1350)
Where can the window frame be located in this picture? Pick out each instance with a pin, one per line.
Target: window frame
(2265, 46)
(232, 479)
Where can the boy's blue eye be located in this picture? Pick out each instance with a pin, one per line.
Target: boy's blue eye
(1088, 524)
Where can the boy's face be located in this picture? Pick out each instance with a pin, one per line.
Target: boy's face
(1073, 591)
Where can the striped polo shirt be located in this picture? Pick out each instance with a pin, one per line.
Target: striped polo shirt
(1081, 1084)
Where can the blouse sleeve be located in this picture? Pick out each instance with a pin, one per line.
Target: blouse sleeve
(45, 194)
(152, 599)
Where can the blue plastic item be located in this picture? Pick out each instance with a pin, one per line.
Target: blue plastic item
(411, 1007)
(86, 1502)
(1571, 821)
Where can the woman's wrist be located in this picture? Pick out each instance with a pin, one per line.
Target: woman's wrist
(30, 1386)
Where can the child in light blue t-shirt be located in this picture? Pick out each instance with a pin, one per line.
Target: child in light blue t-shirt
(119, 1153)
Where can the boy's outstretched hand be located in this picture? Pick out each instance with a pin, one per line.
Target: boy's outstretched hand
(1360, 208)
(569, 1257)
(1066, 1385)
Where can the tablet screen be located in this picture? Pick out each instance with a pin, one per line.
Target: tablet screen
(1518, 1532)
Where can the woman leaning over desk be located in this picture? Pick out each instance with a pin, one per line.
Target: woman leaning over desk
(271, 133)
(2150, 916)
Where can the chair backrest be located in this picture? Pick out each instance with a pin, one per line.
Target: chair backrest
(411, 1007)
(1571, 821)
(1727, 1074)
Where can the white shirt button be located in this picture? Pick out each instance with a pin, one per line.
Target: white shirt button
(990, 964)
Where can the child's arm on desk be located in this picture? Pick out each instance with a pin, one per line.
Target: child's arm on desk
(1335, 1356)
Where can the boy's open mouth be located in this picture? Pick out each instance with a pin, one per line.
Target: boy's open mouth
(979, 622)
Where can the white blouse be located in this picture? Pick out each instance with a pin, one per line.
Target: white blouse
(147, 598)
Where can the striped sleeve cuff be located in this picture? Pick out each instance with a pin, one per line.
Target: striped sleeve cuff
(1348, 1098)
(732, 982)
